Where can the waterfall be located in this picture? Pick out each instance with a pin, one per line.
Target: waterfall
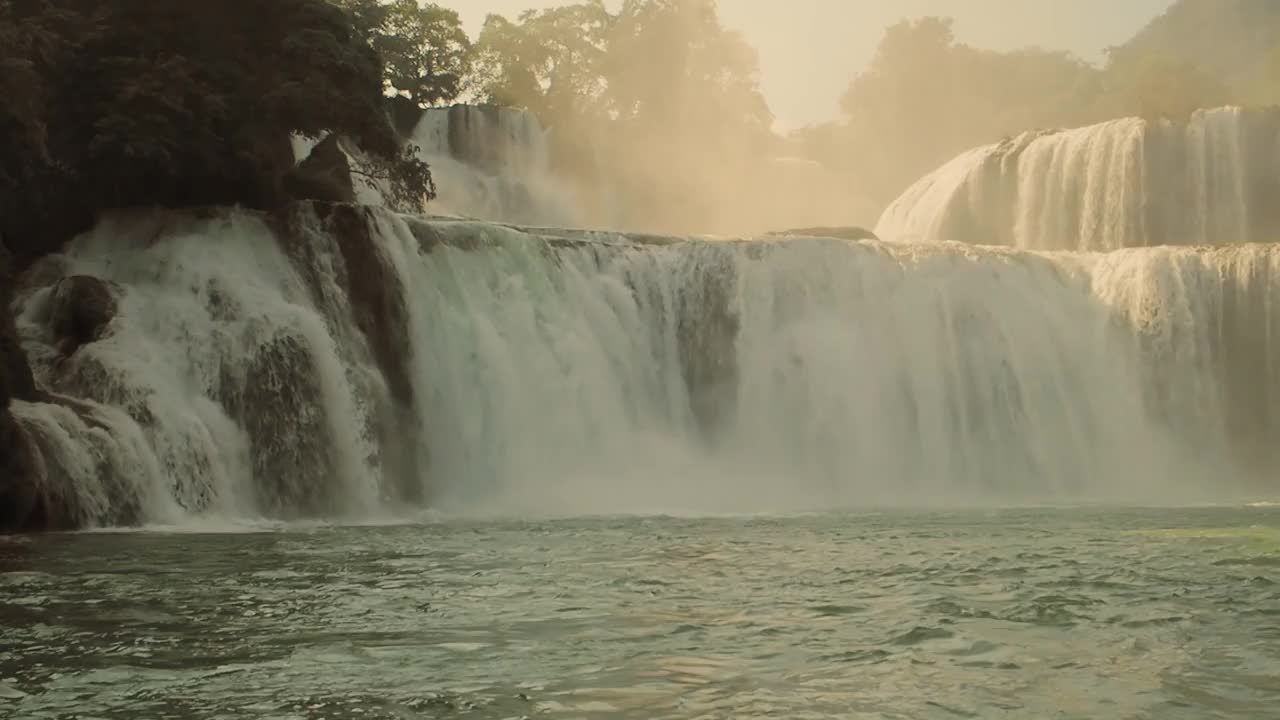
(1124, 183)
(488, 162)
(492, 163)
(342, 361)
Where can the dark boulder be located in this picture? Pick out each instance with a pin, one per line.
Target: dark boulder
(324, 175)
(405, 115)
(81, 311)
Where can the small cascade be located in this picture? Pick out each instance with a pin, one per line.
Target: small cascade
(233, 365)
(338, 361)
(492, 163)
(1125, 183)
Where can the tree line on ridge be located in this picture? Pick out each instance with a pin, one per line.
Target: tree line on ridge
(663, 98)
(136, 102)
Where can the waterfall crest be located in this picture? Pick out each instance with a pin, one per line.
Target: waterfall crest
(344, 361)
(1124, 183)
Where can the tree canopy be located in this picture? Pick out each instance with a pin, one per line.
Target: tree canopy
(135, 102)
(548, 61)
(426, 54)
(144, 102)
(659, 92)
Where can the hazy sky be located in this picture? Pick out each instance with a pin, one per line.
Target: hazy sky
(810, 49)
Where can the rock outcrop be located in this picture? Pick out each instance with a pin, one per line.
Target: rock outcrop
(324, 175)
(81, 310)
(21, 466)
(377, 298)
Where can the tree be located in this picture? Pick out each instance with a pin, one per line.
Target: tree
(426, 52)
(926, 97)
(1162, 87)
(22, 131)
(179, 104)
(659, 96)
(690, 118)
(549, 61)
(671, 64)
(1228, 41)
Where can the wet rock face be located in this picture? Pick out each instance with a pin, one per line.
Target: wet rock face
(81, 309)
(377, 298)
(21, 477)
(21, 467)
(376, 294)
(16, 380)
(15, 373)
(332, 248)
(278, 403)
(324, 175)
(708, 331)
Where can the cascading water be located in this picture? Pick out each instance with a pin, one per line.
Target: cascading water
(1125, 183)
(492, 163)
(488, 163)
(346, 361)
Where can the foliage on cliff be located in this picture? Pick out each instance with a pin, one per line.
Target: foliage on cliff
(136, 102)
(425, 51)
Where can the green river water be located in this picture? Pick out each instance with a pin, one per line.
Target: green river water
(1047, 613)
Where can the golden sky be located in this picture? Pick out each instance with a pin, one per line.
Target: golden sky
(809, 49)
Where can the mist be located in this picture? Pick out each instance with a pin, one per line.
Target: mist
(734, 118)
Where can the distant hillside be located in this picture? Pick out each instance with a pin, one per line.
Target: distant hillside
(1234, 41)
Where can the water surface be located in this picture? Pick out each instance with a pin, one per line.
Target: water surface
(1063, 613)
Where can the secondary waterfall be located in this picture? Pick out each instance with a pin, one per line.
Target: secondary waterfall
(488, 163)
(344, 361)
(1210, 180)
(492, 163)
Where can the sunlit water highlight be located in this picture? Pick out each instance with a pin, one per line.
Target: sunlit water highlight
(1068, 613)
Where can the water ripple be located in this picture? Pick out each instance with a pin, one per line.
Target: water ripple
(994, 615)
